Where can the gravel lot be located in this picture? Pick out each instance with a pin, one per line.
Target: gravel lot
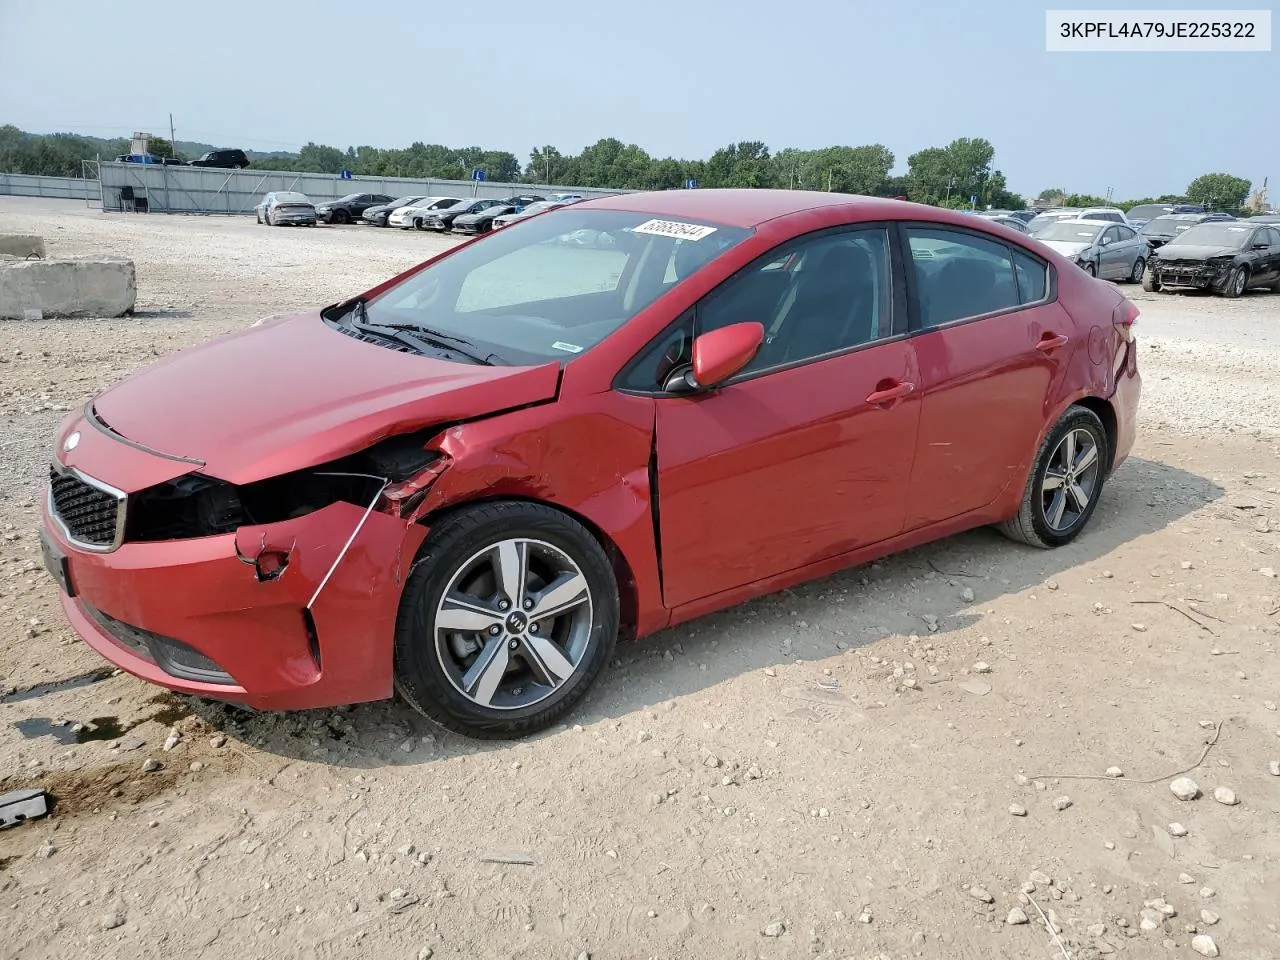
(871, 766)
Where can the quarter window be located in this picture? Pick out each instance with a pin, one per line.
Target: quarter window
(959, 275)
(1032, 277)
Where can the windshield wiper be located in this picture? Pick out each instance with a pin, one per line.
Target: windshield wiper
(422, 339)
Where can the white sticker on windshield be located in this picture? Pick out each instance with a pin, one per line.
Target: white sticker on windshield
(1237, 229)
(674, 228)
(566, 347)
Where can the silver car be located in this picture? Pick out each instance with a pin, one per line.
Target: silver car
(1111, 251)
(282, 207)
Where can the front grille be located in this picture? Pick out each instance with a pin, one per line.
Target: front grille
(91, 515)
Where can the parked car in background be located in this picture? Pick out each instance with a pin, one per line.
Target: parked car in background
(286, 208)
(378, 214)
(1111, 251)
(1010, 221)
(482, 220)
(415, 490)
(349, 208)
(532, 210)
(1050, 217)
(522, 201)
(1143, 213)
(1164, 228)
(411, 217)
(1265, 218)
(442, 220)
(1026, 216)
(1226, 257)
(227, 159)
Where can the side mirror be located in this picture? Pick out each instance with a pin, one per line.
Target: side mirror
(1261, 245)
(720, 354)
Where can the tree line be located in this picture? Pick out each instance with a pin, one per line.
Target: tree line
(955, 175)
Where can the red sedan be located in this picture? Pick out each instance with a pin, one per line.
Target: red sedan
(469, 482)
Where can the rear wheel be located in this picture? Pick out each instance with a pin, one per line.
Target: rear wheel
(1065, 482)
(1237, 282)
(507, 618)
(1135, 275)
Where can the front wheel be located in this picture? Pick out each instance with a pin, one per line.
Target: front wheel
(507, 619)
(340, 217)
(1065, 482)
(1090, 269)
(418, 224)
(1151, 282)
(1135, 275)
(1237, 282)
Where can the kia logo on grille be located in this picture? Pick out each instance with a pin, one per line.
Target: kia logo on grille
(71, 442)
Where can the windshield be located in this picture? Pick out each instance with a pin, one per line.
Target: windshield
(542, 205)
(1047, 220)
(1148, 211)
(404, 201)
(292, 198)
(1070, 232)
(557, 286)
(1168, 225)
(349, 198)
(1216, 234)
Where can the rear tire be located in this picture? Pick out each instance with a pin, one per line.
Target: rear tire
(1136, 274)
(532, 596)
(1071, 467)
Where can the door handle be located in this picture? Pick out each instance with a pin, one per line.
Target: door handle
(1050, 342)
(896, 390)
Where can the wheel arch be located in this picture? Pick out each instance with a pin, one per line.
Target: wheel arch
(623, 574)
(1107, 414)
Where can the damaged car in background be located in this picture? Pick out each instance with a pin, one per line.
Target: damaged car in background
(1224, 257)
(468, 483)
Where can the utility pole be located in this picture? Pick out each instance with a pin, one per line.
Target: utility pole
(175, 149)
(950, 180)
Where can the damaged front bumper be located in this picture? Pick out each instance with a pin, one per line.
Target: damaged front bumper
(291, 615)
(295, 613)
(1194, 277)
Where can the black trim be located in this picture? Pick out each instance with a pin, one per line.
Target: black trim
(91, 415)
(655, 502)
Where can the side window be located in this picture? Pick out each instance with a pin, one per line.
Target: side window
(959, 275)
(814, 296)
(1274, 236)
(1110, 235)
(1032, 277)
(1124, 233)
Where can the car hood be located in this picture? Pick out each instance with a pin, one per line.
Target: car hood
(1190, 251)
(1066, 248)
(295, 392)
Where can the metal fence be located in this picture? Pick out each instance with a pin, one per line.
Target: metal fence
(64, 188)
(208, 190)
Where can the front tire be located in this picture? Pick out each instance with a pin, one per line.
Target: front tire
(340, 217)
(1065, 482)
(418, 224)
(1090, 269)
(1237, 283)
(1150, 282)
(508, 617)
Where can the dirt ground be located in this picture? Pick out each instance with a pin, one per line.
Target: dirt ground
(872, 766)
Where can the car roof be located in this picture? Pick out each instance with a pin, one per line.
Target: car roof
(751, 208)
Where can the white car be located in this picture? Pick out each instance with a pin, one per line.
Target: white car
(1050, 217)
(407, 218)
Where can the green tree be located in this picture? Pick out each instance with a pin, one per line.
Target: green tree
(160, 147)
(1219, 191)
(1051, 194)
(743, 164)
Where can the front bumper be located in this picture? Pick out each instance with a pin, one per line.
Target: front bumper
(196, 617)
(1197, 278)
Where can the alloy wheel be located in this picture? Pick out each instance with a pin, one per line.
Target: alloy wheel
(1139, 266)
(1070, 480)
(513, 624)
(1238, 282)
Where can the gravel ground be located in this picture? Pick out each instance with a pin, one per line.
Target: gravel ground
(909, 759)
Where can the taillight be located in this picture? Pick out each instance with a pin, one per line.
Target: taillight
(1123, 318)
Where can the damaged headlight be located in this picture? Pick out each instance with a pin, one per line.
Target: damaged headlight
(195, 505)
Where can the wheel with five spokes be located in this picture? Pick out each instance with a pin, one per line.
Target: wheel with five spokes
(1065, 482)
(507, 618)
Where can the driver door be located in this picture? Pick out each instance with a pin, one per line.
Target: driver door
(805, 454)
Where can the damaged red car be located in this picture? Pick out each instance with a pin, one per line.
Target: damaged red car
(468, 483)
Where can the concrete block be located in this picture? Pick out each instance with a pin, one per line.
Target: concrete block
(67, 288)
(21, 245)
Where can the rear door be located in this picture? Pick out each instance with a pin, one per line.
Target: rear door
(992, 344)
(806, 453)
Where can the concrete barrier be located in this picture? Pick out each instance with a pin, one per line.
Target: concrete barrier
(67, 288)
(21, 245)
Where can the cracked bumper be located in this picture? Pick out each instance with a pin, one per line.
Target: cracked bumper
(250, 636)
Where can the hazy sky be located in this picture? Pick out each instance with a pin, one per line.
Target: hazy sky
(677, 78)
